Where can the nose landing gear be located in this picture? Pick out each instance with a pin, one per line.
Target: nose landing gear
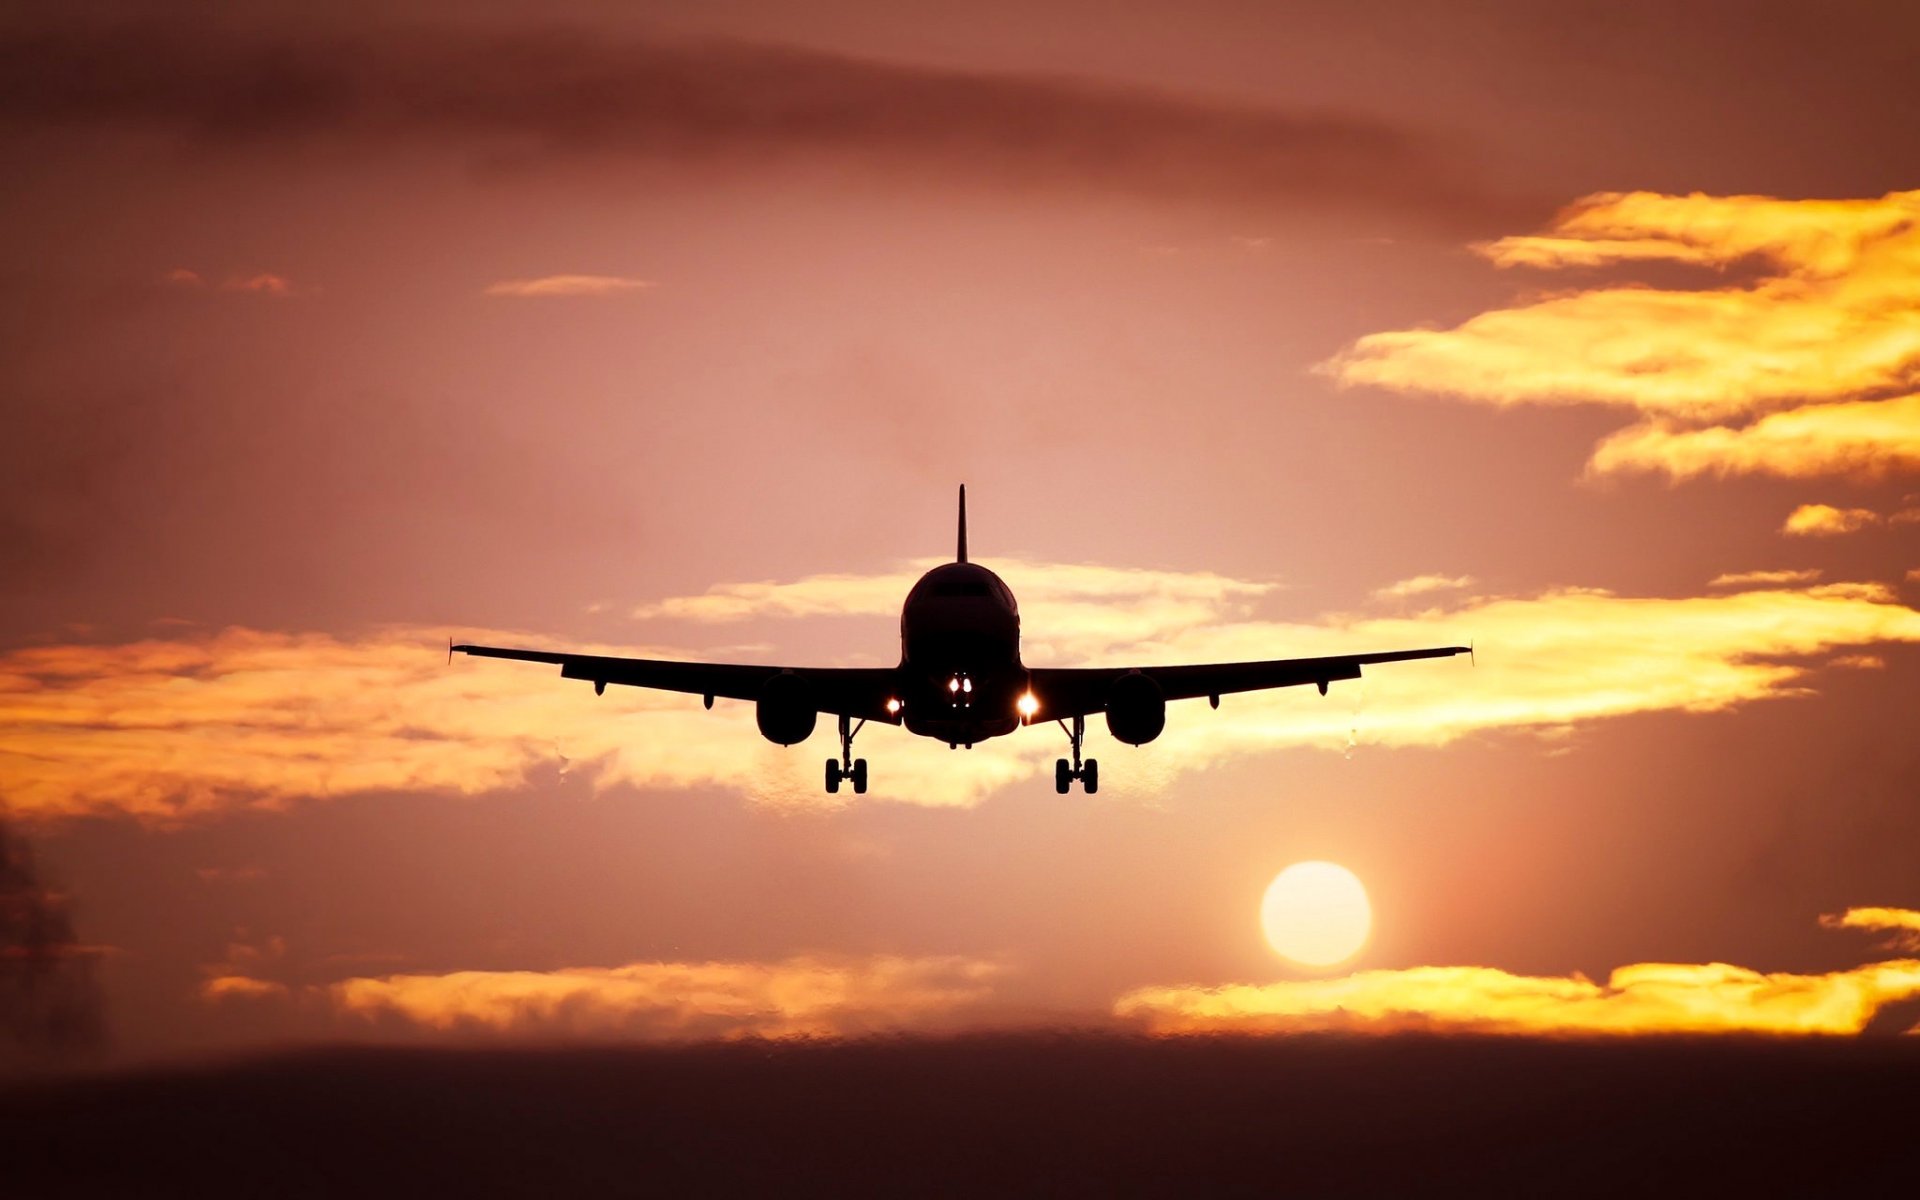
(847, 767)
(1088, 773)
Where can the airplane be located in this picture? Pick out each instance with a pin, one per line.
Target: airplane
(960, 679)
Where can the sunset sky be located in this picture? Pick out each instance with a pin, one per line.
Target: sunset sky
(1585, 333)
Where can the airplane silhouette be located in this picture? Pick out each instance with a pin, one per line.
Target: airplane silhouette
(960, 679)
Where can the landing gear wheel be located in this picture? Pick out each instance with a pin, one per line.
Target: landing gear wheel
(1062, 776)
(1090, 776)
(847, 766)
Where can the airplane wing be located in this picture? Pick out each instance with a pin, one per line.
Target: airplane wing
(1076, 691)
(859, 692)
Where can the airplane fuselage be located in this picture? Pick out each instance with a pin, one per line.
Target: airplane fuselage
(961, 679)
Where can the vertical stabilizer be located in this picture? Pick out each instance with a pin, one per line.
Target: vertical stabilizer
(960, 554)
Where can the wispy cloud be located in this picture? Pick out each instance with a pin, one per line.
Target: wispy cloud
(1763, 578)
(173, 728)
(263, 284)
(567, 285)
(1421, 585)
(1902, 923)
(795, 997)
(222, 988)
(1644, 998)
(1821, 350)
(1862, 438)
(538, 95)
(1824, 520)
(260, 283)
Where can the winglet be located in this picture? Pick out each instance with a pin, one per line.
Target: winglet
(960, 554)
(449, 651)
(1471, 660)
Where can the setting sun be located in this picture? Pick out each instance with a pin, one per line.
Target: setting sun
(1316, 914)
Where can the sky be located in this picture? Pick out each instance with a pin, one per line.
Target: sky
(1588, 334)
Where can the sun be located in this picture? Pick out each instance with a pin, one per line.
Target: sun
(1316, 914)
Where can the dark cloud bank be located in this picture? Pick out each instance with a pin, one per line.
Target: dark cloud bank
(541, 95)
(991, 1115)
(50, 1002)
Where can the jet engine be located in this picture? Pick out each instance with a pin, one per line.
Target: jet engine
(1136, 709)
(785, 711)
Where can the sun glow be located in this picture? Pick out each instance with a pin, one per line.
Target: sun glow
(1316, 914)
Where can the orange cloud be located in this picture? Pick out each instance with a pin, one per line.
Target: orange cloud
(1902, 923)
(796, 997)
(240, 987)
(1824, 520)
(195, 725)
(567, 285)
(1828, 330)
(265, 284)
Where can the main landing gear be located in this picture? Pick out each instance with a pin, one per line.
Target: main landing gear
(1087, 773)
(848, 767)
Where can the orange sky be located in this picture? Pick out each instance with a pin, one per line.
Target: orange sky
(1256, 330)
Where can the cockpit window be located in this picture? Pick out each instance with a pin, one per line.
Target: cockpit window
(964, 587)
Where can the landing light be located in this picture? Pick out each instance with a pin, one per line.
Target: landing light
(953, 685)
(1027, 705)
(893, 706)
(966, 685)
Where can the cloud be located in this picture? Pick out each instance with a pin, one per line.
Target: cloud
(264, 284)
(1824, 520)
(1105, 608)
(1902, 923)
(527, 96)
(222, 988)
(1420, 585)
(567, 285)
(200, 724)
(1644, 998)
(1821, 348)
(796, 997)
(1864, 439)
(1752, 578)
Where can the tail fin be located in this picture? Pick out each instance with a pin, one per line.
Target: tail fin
(960, 555)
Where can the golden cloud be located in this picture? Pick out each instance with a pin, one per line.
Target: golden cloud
(1646, 998)
(796, 997)
(1824, 520)
(567, 285)
(189, 725)
(1827, 332)
(1902, 923)
(1862, 438)
(1752, 578)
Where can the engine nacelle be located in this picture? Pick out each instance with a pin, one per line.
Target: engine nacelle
(1136, 710)
(785, 712)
